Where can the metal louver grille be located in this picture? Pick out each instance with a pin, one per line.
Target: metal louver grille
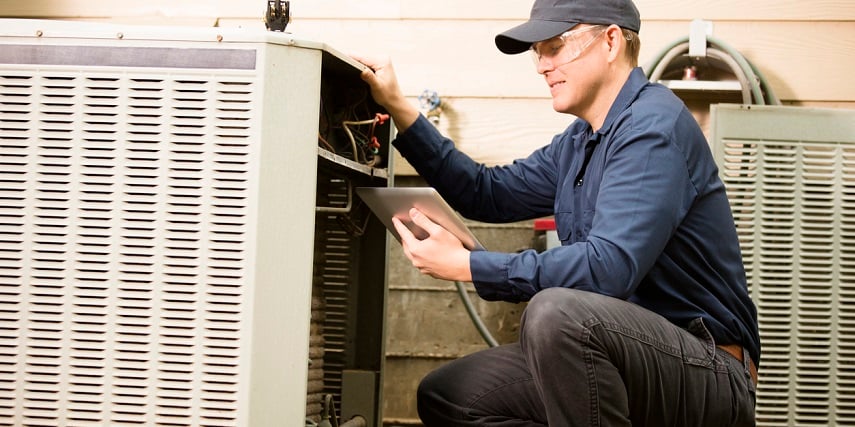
(338, 279)
(124, 204)
(792, 191)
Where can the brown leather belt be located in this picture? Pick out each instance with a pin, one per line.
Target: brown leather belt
(736, 351)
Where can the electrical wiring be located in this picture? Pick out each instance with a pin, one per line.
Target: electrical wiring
(346, 125)
(352, 139)
(350, 124)
(366, 140)
(326, 143)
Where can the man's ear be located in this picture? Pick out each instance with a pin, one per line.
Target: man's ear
(616, 43)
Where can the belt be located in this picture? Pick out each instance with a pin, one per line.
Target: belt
(736, 351)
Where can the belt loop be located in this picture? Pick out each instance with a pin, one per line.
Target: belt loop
(697, 328)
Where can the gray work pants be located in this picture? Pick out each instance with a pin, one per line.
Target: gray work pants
(585, 359)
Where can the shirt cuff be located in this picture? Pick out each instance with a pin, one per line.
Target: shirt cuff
(420, 129)
(490, 276)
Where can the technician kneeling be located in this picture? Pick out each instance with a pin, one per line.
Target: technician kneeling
(642, 317)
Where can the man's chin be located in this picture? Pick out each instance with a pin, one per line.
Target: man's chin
(561, 107)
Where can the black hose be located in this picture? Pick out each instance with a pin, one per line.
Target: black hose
(476, 320)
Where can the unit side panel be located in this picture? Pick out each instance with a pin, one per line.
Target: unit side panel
(286, 226)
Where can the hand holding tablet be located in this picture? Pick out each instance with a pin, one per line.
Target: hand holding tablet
(389, 202)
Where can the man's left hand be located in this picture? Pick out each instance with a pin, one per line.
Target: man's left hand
(441, 255)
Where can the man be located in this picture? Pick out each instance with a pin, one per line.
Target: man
(642, 316)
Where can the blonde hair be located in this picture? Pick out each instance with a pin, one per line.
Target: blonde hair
(633, 46)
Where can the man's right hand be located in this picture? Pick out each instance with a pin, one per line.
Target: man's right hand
(380, 76)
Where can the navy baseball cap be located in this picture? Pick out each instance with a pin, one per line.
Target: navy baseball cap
(550, 18)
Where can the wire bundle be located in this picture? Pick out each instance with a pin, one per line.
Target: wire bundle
(349, 127)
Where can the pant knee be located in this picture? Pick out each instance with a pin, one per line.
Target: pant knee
(431, 406)
(559, 313)
(555, 306)
(426, 388)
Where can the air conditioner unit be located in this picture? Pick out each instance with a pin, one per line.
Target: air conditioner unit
(177, 224)
(790, 177)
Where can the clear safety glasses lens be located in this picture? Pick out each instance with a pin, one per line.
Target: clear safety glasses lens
(565, 48)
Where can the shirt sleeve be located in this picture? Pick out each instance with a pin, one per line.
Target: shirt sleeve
(644, 192)
(522, 190)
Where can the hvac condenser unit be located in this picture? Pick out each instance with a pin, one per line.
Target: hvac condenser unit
(179, 239)
(790, 177)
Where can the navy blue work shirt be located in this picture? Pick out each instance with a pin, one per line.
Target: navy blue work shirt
(647, 220)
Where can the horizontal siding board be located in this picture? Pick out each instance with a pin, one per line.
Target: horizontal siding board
(738, 10)
(430, 54)
(762, 10)
(754, 10)
(496, 131)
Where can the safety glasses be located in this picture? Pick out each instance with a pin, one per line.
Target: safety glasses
(565, 48)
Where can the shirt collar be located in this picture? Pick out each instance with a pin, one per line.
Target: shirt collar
(636, 81)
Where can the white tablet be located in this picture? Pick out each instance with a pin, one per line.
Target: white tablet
(389, 202)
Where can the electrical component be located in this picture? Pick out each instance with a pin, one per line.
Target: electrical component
(278, 15)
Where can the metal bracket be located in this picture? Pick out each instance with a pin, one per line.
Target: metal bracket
(698, 32)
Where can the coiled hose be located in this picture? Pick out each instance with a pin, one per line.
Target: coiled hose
(752, 80)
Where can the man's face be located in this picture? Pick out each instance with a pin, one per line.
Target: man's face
(570, 66)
